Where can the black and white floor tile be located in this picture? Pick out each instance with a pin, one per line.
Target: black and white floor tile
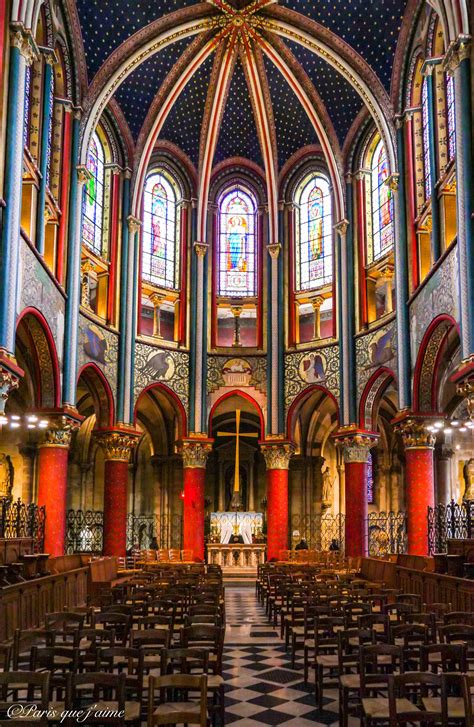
(262, 687)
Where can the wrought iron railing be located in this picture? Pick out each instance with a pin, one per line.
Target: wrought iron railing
(319, 531)
(85, 531)
(167, 529)
(21, 520)
(452, 520)
(387, 533)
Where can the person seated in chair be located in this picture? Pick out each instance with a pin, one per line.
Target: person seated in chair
(302, 545)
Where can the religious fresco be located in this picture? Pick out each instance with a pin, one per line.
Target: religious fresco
(438, 295)
(304, 369)
(38, 291)
(153, 365)
(100, 346)
(374, 350)
(227, 371)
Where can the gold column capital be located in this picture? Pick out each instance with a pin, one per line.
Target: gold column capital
(60, 429)
(200, 248)
(355, 443)
(277, 453)
(117, 443)
(195, 451)
(415, 433)
(134, 224)
(274, 250)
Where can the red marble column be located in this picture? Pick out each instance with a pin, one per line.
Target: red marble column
(195, 454)
(52, 492)
(277, 458)
(419, 482)
(356, 445)
(117, 447)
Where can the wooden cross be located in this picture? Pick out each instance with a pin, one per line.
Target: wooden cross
(237, 434)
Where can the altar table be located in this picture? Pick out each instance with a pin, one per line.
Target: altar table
(236, 556)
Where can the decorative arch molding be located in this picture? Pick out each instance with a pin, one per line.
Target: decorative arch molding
(236, 172)
(298, 402)
(425, 373)
(307, 164)
(405, 39)
(454, 15)
(294, 162)
(243, 395)
(47, 373)
(181, 163)
(173, 399)
(371, 396)
(101, 392)
(120, 129)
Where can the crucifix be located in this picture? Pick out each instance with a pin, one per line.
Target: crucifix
(237, 434)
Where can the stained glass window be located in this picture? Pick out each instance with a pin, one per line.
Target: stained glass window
(451, 116)
(50, 131)
(425, 115)
(314, 266)
(26, 127)
(237, 253)
(382, 205)
(370, 480)
(160, 234)
(93, 200)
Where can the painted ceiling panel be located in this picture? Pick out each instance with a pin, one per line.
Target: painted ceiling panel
(293, 128)
(183, 125)
(238, 135)
(138, 90)
(340, 98)
(107, 23)
(370, 26)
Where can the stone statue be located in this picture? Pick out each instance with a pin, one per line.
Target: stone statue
(6, 475)
(328, 485)
(468, 474)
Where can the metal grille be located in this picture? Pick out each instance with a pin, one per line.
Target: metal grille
(85, 531)
(20, 520)
(168, 531)
(320, 530)
(387, 533)
(449, 521)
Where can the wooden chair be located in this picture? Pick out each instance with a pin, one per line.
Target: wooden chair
(88, 641)
(169, 711)
(404, 688)
(121, 623)
(106, 693)
(22, 643)
(468, 687)
(5, 656)
(377, 663)
(25, 688)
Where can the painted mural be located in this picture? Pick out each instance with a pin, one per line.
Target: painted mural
(439, 295)
(39, 291)
(306, 368)
(100, 346)
(226, 371)
(153, 365)
(373, 350)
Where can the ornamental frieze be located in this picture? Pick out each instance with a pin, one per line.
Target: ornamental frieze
(374, 350)
(305, 368)
(154, 365)
(98, 345)
(236, 371)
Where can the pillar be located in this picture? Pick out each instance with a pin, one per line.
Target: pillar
(419, 481)
(275, 378)
(128, 317)
(117, 446)
(46, 122)
(198, 337)
(53, 454)
(444, 458)
(195, 453)
(28, 456)
(277, 459)
(345, 313)
(355, 445)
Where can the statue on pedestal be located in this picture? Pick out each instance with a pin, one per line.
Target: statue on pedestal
(7, 474)
(328, 486)
(468, 474)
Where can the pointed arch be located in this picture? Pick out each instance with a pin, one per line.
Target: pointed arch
(425, 376)
(45, 362)
(101, 393)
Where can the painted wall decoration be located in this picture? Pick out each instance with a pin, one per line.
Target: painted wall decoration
(438, 295)
(99, 345)
(153, 365)
(306, 368)
(225, 371)
(375, 349)
(39, 291)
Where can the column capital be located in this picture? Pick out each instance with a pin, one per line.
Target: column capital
(83, 174)
(10, 375)
(341, 227)
(392, 181)
(22, 39)
(274, 250)
(60, 429)
(465, 389)
(277, 453)
(200, 248)
(355, 443)
(458, 51)
(414, 433)
(117, 443)
(134, 224)
(195, 451)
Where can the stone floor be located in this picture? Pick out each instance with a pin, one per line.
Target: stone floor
(261, 685)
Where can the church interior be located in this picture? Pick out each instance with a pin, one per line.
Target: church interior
(237, 360)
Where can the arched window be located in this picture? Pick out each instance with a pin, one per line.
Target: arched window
(370, 480)
(381, 212)
(426, 132)
(237, 252)
(314, 266)
(93, 200)
(160, 232)
(451, 117)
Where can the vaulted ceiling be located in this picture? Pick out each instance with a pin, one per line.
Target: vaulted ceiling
(370, 28)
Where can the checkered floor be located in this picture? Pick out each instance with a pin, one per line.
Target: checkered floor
(262, 687)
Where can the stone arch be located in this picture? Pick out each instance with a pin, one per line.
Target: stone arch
(100, 393)
(37, 355)
(372, 395)
(427, 368)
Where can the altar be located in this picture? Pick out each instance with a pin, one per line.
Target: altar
(236, 540)
(239, 556)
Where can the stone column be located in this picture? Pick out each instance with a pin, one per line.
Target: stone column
(46, 121)
(117, 445)
(419, 481)
(277, 456)
(195, 453)
(198, 337)
(274, 383)
(356, 445)
(317, 303)
(444, 456)
(53, 454)
(28, 454)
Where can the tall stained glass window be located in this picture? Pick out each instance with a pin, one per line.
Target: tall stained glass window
(314, 266)
(50, 131)
(382, 205)
(93, 200)
(425, 116)
(26, 127)
(370, 480)
(160, 234)
(237, 253)
(451, 116)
